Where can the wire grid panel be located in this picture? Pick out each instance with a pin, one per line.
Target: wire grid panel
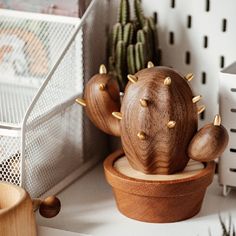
(41, 74)
(54, 149)
(10, 159)
(30, 45)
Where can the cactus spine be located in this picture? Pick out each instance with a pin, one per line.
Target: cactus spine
(132, 43)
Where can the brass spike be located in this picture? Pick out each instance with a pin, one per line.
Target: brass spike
(196, 99)
(132, 78)
(143, 102)
(102, 69)
(201, 109)
(171, 124)
(81, 102)
(167, 81)
(117, 115)
(189, 77)
(217, 120)
(150, 64)
(141, 135)
(102, 86)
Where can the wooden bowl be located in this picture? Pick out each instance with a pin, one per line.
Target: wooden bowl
(157, 199)
(16, 212)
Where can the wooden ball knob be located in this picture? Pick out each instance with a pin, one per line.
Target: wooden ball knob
(50, 207)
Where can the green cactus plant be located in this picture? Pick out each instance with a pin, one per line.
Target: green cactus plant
(128, 40)
(158, 117)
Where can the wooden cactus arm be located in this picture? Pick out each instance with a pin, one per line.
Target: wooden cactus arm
(209, 142)
(101, 99)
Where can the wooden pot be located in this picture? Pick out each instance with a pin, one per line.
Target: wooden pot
(171, 198)
(16, 212)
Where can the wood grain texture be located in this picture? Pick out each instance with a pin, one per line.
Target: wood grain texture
(164, 150)
(209, 143)
(122, 165)
(158, 201)
(16, 212)
(102, 98)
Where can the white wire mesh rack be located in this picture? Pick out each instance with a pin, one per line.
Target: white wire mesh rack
(42, 138)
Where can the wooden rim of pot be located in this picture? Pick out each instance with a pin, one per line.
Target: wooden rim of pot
(167, 188)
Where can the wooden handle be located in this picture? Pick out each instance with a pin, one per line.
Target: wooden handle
(49, 207)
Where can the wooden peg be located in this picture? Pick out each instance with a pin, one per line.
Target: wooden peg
(143, 102)
(171, 124)
(81, 102)
(102, 86)
(167, 81)
(189, 76)
(102, 69)
(141, 135)
(132, 78)
(201, 109)
(49, 207)
(217, 120)
(196, 98)
(150, 64)
(117, 115)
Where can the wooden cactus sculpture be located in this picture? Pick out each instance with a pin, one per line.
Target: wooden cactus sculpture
(132, 42)
(157, 121)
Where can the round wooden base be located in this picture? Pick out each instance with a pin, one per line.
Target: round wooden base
(160, 200)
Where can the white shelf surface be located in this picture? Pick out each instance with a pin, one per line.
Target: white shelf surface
(88, 207)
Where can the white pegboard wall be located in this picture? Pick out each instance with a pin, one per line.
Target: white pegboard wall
(204, 31)
(195, 36)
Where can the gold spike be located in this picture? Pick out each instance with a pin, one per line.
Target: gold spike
(189, 77)
(132, 78)
(196, 99)
(141, 135)
(217, 120)
(102, 86)
(150, 64)
(143, 102)
(201, 109)
(81, 102)
(117, 115)
(167, 81)
(102, 69)
(171, 124)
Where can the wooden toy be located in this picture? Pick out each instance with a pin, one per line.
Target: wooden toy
(158, 125)
(16, 210)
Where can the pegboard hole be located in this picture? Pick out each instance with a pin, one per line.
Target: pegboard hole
(187, 58)
(233, 110)
(155, 17)
(233, 89)
(232, 150)
(233, 130)
(189, 21)
(224, 25)
(203, 77)
(172, 3)
(207, 5)
(232, 169)
(205, 41)
(171, 38)
(159, 56)
(222, 62)
(202, 115)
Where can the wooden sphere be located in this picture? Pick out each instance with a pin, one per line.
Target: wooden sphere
(50, 207)
(209, 143)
